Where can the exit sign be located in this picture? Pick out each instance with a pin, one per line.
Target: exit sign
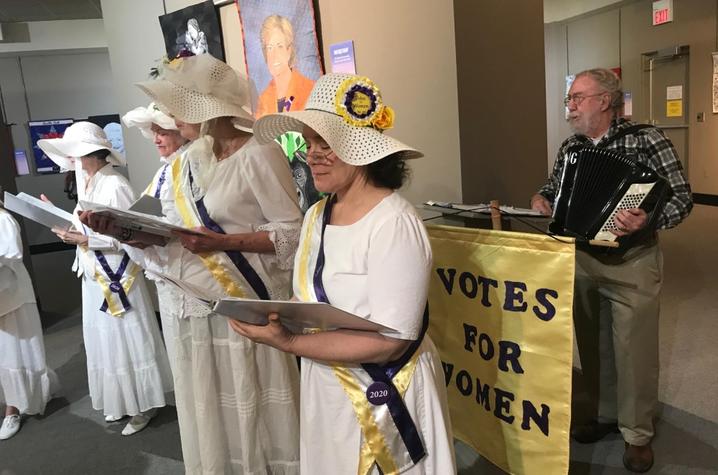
(662, 12)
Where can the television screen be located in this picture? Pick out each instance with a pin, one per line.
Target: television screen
(21, 165)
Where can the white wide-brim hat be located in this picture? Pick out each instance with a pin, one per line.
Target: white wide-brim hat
(347, 111)
(144, 117)
(198, 88)
(80, 139)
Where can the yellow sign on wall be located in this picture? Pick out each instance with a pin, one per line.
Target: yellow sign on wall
(501, 317)
(674, 108)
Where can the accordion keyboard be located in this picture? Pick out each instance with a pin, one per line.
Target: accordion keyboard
(633, 198)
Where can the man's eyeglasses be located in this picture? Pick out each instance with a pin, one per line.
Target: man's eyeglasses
(578, 98)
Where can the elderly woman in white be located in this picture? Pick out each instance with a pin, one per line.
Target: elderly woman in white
(161, 129)
(127, 367)
(26, 383)
(237, 402)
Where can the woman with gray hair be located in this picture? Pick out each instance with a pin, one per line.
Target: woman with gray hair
(161, 129)
(237, 402)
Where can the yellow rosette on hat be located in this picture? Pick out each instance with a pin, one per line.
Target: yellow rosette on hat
(359, 102)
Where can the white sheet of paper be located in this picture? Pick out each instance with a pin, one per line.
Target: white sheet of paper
(297, 316)
(134, 220)
(37, 210)
(674, 92)
(458, 208)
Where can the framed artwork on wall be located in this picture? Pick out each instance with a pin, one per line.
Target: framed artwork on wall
(194, 29)
(46, 129)
(281, 53)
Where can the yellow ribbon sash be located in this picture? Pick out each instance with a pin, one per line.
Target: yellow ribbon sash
(213, 261)
(115, 307)
(382, 443)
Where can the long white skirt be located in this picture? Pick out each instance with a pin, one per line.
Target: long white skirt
(127, 367)
(169, 301)
(237, 401)
(25, 381)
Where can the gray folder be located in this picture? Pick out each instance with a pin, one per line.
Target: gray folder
(297, 316)
(134, 220)
(39, 211)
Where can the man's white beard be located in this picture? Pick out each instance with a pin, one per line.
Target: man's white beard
(583, 126)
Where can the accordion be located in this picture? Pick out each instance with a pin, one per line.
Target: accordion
(596, 184)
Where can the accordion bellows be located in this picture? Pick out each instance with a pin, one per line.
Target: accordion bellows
(597, 183)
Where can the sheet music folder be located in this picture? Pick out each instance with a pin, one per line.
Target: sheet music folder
(297, 316)
(134, 220)
(37, 210)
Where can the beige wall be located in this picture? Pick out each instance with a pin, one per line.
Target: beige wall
(135, 44)
(618, 37)
(413, 62)
(407, 48)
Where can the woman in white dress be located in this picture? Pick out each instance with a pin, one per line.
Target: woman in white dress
(371, 402)
(237, 402)
(161, 129)
(127, 368)
(26, 383)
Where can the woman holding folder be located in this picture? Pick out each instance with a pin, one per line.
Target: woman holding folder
(170, 144)
(237, 401)
(371, 402)
(127, 368)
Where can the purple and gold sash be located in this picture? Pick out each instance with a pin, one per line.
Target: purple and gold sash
(391, 439)
(230, 269)
(116, 285)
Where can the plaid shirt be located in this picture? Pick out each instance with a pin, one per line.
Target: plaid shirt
(648, 146)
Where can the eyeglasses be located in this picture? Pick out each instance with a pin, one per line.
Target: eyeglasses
(578, 98)
(321, 157)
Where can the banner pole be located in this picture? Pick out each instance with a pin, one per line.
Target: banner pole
(495, 215)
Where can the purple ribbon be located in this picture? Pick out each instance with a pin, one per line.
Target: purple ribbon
(237, 258)
(161, 181)
(115, 278)
(381, 374)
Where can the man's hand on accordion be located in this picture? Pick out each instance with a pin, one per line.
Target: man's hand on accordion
(629, 221)
(541, 204)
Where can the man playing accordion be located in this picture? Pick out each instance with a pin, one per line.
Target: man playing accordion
(616, 302)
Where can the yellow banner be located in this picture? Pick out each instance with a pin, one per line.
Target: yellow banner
(501, 316)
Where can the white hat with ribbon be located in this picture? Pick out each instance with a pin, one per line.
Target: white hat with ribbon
(79, 139)
(348, 112)
(195, 89)
(144, 117)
